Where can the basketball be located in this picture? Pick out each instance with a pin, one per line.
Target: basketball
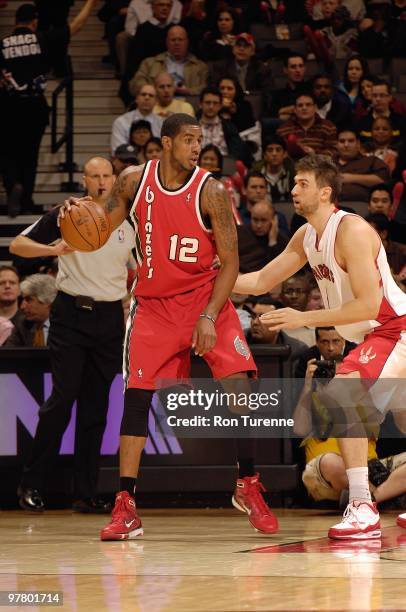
(86, 227)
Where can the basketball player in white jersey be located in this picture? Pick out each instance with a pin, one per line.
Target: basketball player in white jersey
(361, 300)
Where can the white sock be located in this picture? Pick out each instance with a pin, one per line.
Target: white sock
(358, 484)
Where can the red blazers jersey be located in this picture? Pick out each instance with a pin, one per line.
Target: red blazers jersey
(174, 249)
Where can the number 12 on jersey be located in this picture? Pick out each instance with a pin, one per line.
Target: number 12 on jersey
(183, 249)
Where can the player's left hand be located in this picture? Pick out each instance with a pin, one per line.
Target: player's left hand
(283, 318)
(204, 336)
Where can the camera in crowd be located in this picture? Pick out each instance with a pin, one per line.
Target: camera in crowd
(326, 368)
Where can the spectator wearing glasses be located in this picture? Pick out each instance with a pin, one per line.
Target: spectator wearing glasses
(145, 100)
(381, 107)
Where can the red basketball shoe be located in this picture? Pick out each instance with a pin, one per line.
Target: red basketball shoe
(125, 523)
(360, 522)
(248, 498)
(401, 520)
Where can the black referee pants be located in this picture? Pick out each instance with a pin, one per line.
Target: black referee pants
(86, 354)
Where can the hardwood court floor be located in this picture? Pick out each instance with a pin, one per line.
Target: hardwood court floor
(202, 561)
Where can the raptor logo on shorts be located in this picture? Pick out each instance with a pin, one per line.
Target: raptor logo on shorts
(241, 347)
(365, 356)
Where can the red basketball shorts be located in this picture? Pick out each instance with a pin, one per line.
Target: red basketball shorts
(159, 338)
(381, 362)
(380, 355)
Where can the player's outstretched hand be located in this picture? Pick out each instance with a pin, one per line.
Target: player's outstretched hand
(67, 205)
(204, 336)
(283, 318)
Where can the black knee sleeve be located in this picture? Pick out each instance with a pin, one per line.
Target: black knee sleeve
(136, 409)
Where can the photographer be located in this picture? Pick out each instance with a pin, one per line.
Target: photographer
(313, 365)
(329, 346)
(325, 476)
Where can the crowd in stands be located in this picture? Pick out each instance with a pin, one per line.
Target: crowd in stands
(203, 58)
(212, 60)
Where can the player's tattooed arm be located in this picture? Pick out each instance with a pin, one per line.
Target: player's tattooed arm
(122, 195)
(216, 205)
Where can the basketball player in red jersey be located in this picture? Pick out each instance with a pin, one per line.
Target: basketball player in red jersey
(361, 299)
(183, 219)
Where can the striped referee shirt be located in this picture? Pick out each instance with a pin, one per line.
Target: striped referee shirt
(101, 274)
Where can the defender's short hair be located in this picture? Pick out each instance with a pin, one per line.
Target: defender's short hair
(325, 172)
(173, 124)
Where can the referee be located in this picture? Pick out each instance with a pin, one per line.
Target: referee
(85, 342)
(25, 56)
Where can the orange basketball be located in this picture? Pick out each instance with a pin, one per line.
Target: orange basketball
(87, 227)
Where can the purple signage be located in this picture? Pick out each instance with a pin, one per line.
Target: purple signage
(17, 403)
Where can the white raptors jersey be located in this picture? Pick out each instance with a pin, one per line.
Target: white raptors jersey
(334, 282)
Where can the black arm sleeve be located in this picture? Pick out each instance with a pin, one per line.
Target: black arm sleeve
(46, 229)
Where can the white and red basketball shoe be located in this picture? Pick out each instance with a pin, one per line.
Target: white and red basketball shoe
(360, 522)
(248, 498)
(125, 523)
(401, 520)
